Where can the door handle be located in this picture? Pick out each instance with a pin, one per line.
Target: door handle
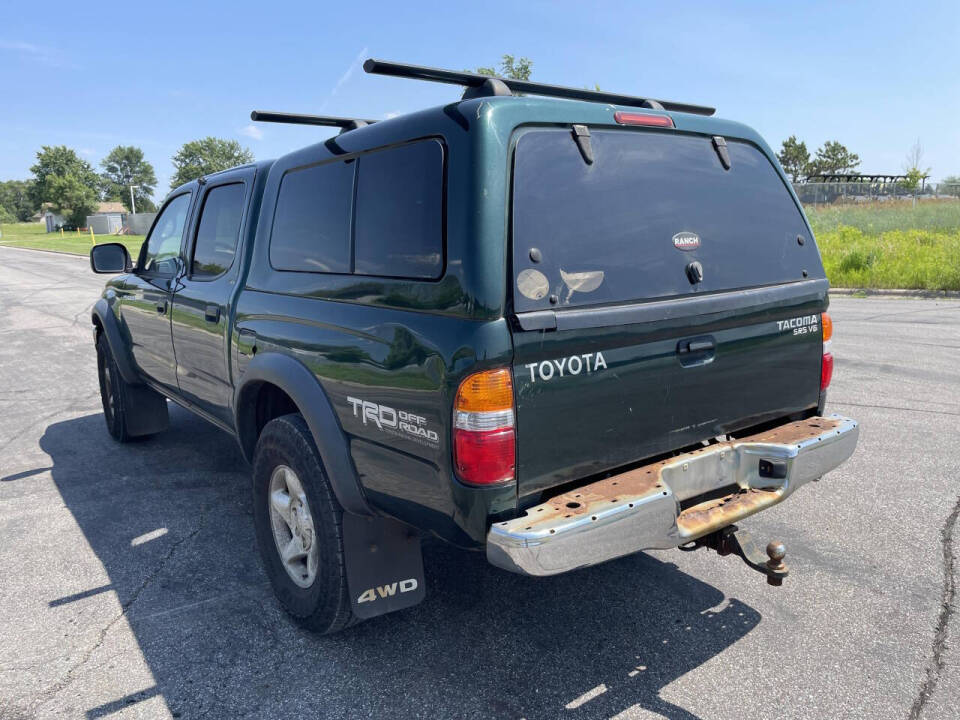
(701, 345)
(696, 346)
(162, 308)
(212, 313)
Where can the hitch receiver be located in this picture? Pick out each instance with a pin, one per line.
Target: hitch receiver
(733, 540)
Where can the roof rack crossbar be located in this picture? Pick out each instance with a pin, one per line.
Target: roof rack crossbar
(299, 119)
(477, 82)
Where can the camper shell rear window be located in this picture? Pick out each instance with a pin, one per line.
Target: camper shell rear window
(629, 225)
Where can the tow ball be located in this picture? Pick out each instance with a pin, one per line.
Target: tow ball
(733, 540)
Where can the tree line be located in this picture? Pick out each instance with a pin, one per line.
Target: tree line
(833, 158)
(70, 186)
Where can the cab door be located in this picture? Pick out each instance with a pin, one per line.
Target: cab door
(145, 300)
(202, 300)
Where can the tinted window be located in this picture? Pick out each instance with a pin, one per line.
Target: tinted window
(399, 218)
(627, 226)
(163, 245)
(218, 231)
(311, 224)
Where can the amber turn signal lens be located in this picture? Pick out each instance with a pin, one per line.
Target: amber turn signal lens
(486, 391)
(827, 327)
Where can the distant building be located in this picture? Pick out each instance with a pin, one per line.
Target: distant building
(48, 216)
(108, 218)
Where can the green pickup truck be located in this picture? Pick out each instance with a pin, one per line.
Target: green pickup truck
(557, 326)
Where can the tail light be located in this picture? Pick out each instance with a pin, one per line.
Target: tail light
(484, 441)
(826, 363)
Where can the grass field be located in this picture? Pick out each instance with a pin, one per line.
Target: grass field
(35, 236)
(890, 245)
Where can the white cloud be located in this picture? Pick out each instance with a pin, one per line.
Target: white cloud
(251, 131)
(391, 114)
(357, 61)
(49, 56)
(87, 151)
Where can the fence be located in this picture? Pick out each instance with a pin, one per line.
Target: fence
(139, 224)
(865, 192)
(105, 224)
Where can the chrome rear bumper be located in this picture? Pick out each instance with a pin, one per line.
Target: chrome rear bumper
(640, 509)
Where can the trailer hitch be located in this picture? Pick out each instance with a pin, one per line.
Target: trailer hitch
(733, 540)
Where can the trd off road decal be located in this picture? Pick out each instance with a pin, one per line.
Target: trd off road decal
(573, 365)
(800, 325)
(399, 423)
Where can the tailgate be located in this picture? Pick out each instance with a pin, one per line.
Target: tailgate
(622, 352)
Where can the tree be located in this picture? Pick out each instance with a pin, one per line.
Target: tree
(510, 67)
(911, 168)
(71, 197)
(60, 162)
(833, 158)
(15, 198)
(794, 158)
(126, 166)
(209, 155)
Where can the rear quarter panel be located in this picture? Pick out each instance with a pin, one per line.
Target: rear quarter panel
(390, 353)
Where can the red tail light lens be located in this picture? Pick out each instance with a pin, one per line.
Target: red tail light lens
(826, 364)
(486, 457)
(630, 118)
(484, 442)
(826, 371)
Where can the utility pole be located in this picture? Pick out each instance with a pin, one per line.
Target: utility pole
(133, 205)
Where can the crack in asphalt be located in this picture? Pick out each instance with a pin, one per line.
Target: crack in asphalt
(937, 663)
(68, 678)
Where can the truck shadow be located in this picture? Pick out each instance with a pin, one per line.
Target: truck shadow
(170, 520)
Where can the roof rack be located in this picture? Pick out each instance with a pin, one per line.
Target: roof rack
(485, 86)
(344, 124)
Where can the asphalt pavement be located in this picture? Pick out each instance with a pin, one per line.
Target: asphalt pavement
(130, 583)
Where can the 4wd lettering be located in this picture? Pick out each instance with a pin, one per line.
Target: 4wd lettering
(572, 365)
(385, 591)
(395, 422)
(800, 325)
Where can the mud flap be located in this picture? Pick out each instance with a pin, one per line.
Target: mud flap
(146, 410)
(384, 565)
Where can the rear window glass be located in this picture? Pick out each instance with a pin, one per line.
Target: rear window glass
(627, 226)
(311, 225)
(218, 232)
(399, 225)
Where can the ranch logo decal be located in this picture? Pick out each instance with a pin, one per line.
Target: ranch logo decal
(399, 423)
(686, 241)
(800, 325)
(574, 365)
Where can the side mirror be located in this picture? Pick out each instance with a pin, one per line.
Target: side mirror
(109, 258)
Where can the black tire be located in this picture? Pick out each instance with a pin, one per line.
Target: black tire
(324, 605)
(112, 392)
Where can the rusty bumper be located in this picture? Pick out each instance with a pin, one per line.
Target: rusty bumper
(641, 509)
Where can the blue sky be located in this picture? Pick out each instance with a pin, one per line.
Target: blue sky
(875, 75)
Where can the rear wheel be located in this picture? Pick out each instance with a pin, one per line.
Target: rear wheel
(131, 411)
(111, 392)
(299, 526)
